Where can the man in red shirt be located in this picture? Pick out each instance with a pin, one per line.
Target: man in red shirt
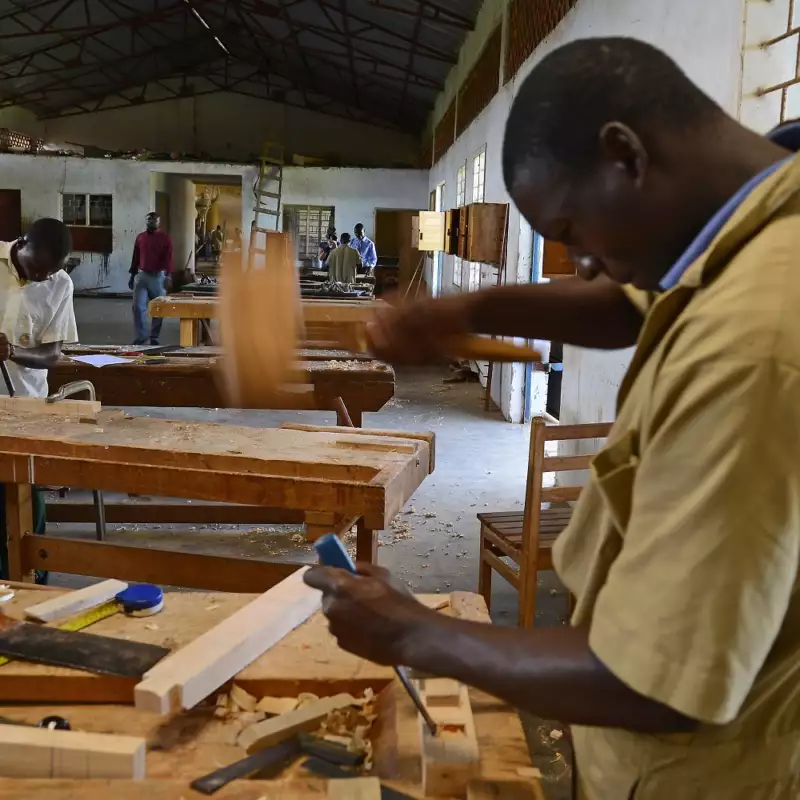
(151, 273)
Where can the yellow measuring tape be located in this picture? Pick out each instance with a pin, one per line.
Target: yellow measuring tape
(84, 620)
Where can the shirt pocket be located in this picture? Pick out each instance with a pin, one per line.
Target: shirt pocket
(614, 471)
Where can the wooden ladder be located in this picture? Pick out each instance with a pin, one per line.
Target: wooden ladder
(268, 191)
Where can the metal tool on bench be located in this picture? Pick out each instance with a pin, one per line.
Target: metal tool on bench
(70, 390)
(332, 553)
(276, 758)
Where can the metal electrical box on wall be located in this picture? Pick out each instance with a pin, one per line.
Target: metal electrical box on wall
(431, 231)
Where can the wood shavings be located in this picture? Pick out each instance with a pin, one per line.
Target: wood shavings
(306, 698)
(276, 705)
(242, 700)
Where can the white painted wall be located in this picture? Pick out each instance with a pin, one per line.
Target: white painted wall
(764, 67)
(705, 38)
(223, 126)
(354, 193)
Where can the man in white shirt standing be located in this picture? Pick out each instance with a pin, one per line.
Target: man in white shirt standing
(36, 318)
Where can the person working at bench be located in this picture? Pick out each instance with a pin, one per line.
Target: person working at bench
(365, 248)
(343, 262)
(36, 318)
(680, 672)
(150, 276)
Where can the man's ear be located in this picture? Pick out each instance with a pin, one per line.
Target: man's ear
(621, 147)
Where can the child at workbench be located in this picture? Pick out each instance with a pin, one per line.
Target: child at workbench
(36, 318)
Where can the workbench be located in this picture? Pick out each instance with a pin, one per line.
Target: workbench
(331, 478)
(188, 379)
(192, 744)
(321, 316)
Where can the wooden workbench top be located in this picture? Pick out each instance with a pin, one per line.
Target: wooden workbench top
(347, 471)
(194, 743)
(314, 310)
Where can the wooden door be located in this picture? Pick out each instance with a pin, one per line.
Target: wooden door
(387, 233)
(556, 262)
(10, 214)
(486, 232)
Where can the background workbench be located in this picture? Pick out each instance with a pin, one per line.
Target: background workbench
(337, 478)
(179, 380)
(189, 745)
(320, 316)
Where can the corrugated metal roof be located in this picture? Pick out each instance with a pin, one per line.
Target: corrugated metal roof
(382, 61)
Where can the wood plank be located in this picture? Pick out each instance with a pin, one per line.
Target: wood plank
(185, 678)
(300, 720)
(15, 789)
(19, 527)
(557, 433)
(481, 789)
(426, 436)
(354, 789)
(561, 494)
(173, 513)
(81, 409)
(42, 753)
(565, 463)
(145, 565)
(73, 602)
(451, 758)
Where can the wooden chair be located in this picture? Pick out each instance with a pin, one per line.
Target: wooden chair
(526, 537)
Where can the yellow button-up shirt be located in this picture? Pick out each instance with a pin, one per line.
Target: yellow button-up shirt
(683, 551)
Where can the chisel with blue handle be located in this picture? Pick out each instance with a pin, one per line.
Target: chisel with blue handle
(332, 553)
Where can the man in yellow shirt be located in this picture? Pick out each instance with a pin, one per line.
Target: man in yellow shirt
(680, 673)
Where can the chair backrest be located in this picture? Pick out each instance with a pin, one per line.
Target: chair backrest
(538, 464)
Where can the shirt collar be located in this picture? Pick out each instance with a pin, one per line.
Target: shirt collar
(788, 136)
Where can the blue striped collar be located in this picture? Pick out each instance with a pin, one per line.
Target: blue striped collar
(787, 136)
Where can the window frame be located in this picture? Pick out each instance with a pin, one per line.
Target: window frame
(309, 248)
(479, 176)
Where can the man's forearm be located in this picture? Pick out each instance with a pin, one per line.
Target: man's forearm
(550, 672)
(594, 314)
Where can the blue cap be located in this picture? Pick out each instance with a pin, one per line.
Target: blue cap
(141, 597)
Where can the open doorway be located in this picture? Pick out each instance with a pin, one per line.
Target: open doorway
(218, 232)
(398, 260)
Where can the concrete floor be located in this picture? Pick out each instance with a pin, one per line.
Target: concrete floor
(481, 463)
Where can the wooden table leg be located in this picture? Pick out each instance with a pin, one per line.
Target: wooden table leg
(366, 544)
(19, 524)
(188, 333)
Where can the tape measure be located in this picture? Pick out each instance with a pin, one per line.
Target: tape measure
(84, 620)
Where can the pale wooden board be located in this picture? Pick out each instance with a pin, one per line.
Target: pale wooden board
(192, 673)
(72, 602)
(354, 789)
(43, 753)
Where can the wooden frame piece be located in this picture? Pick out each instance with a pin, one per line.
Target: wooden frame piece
(73, 602)
(451, 758)
(27, 752)
(188, 676)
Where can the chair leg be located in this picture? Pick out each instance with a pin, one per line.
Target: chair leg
(484, 576)
(526, 611)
